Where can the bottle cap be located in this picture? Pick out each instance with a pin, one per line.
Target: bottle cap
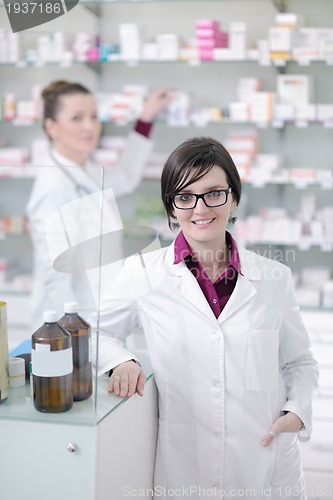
(71, 307)
(50, 316)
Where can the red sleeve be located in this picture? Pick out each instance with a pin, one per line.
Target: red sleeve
(143, 128)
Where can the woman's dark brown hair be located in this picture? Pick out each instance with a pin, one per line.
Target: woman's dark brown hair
(191, 161)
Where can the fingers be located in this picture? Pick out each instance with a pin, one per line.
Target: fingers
(156, 101)
(123, 386)
(166, 96)
(268, 438)
(119, 385)
(114, 384)
(162, 93)
(127, 379)
(277, 427)
(141, 383)
(289, 422)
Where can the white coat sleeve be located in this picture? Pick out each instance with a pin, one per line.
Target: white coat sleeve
(55, 285)
(125, 177)
(116, 319)
(50, 286)
(297, 364)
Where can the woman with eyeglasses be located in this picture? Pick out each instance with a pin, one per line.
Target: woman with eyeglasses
(230, 354)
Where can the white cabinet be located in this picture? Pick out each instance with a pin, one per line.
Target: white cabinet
(87, 453)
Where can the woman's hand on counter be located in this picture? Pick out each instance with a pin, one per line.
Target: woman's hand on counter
(289, 422)
(127, 379)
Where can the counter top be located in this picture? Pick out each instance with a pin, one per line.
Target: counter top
(19, 405)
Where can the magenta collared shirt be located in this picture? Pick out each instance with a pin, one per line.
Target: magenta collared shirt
(219, 292)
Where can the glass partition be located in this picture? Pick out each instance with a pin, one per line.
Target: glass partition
(62, 240)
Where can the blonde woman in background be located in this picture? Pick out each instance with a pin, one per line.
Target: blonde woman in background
(72, 125)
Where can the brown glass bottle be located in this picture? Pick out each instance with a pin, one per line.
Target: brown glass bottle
(52, 366)
(80, 331)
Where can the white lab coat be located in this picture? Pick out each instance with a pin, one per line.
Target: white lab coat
(52, 189)
(221, 382)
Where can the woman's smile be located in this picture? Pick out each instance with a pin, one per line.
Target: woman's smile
(203, 222)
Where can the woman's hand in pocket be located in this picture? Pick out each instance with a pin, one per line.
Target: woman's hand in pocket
(289, 422)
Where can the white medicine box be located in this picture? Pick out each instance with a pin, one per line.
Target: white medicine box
(294, 89)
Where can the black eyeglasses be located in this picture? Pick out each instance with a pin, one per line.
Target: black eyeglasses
(188, 201)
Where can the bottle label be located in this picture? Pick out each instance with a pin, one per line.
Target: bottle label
(46, 363)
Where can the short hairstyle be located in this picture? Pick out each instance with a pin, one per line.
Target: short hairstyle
(189, 162)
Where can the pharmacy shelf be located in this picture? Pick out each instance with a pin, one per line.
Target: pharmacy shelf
(209, 81)
(15, 293)
(278, 3)
(261, 183)
(116, 59)
(17, 178)
(301, 184)
(275, 124)
(13, 236)
(325, 246)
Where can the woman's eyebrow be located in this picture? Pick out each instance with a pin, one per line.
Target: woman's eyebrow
(211, 188)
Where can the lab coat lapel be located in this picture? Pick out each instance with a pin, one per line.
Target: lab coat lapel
(81, 177)
(187, 284)
(189, 287)
(243, 292)
(244, 289)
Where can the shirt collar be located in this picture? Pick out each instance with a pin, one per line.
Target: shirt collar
(59, 159)
(182, 250)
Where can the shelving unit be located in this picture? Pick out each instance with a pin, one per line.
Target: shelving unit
(300, 144)
(211, 84)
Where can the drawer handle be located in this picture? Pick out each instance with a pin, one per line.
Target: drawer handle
(71, 447)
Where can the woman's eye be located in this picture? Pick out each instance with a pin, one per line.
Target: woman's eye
(214, 194)
(185, 197)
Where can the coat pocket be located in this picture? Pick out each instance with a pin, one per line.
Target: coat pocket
(262, 363)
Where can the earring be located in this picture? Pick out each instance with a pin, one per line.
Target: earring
(232, 217)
